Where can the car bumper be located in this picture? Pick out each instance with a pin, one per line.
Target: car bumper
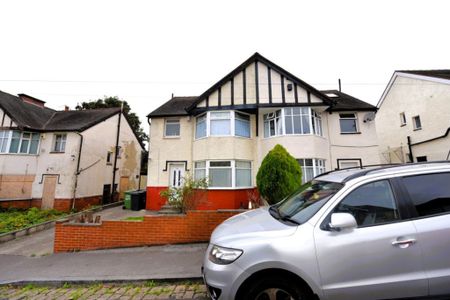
(222, 281)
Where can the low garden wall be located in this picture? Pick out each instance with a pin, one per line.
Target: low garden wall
(194, 226)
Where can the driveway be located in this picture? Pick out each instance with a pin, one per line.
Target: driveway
(41, 243)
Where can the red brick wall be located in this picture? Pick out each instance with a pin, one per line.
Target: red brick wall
(195, 226)
(22, 204)
(215, 199)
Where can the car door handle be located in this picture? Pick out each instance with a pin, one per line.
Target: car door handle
(403, 243)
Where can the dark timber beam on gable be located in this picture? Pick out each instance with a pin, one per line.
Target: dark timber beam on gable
(269, 81)
(244, 86)
(232, 91)
(295, 93)
(256, 82)
(283, 96)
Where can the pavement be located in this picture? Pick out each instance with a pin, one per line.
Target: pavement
(127, 264)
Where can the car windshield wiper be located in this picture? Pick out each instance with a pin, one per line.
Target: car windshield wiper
(289, 219)
(275, 212)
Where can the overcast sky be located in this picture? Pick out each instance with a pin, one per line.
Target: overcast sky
(65, 52)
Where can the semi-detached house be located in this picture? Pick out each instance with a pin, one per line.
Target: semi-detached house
(64, 159)
(225, 133)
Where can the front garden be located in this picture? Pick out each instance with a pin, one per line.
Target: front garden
(15, 219)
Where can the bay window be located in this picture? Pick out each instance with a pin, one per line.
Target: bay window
(292, 121)
(222, 123)
(224, 173)
(13, 141)
(311, 167)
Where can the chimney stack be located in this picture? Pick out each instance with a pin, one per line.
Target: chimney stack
(66, 108)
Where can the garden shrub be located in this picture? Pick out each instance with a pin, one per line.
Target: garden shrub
(279, 175)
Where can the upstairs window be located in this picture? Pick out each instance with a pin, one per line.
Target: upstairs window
(59, 144)
(19, 142)
(172, 128)
(416, 123)
(292, 121)
(348, 123)
(222, 123)
(242, 125)
(200, 127)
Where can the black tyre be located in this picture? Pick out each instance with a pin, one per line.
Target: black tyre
(276, 289)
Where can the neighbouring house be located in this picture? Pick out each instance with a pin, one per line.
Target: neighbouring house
(225, 133)
(413, 120)
(64, 159)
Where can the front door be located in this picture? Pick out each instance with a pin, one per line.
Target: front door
(176, 175)
(48, 192)
(377, 260)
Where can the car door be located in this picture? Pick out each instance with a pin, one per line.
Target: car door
(378, 259)
(430, 196)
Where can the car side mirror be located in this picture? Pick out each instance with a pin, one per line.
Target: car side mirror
(340, 221)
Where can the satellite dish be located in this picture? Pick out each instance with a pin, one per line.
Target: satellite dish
(370, 116)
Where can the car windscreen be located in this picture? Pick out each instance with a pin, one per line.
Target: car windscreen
(305, 202)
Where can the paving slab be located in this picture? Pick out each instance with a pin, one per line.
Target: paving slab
(143, 263)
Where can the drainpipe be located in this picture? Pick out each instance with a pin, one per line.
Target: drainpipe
(115, 156)
(77, 171)
(411, 157)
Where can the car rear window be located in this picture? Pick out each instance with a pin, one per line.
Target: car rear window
(430, 193)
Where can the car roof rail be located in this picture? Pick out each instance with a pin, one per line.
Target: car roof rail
(389, 166)
(365, 171)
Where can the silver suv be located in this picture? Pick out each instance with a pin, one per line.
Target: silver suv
(370, 233)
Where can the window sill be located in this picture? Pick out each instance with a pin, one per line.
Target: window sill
(229, 188)
(350, 133)
(57, 152)
(417, 129)
(402, 125)
(223, 136)
(22, 154)
(172, 137)
(293, 135)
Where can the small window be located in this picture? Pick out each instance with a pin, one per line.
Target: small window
(416, 122)
(241, 125)
(109, 158)
(172, 128)
(59, 144)
(370, 204)
(402, 119)
(349, 163)
(243, 173)
(199, 170)
(348, 123)
(429, 193)
(421, 158)
(200, 126)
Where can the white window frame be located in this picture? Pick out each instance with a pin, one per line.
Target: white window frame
(402, 119)
(355, 118)
(8, 136)
(415, 124)
(318, 167)
(232, 124)
(233, 173)
(165, 128)
(55, 137)
(349, 160)
(312, 115)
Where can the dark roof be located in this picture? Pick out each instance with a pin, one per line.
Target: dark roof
(33, 117)
(443, 74)
(174, 107)
(259, 58)
(345, 102)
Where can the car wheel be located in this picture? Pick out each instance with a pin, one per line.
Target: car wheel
(276, 289)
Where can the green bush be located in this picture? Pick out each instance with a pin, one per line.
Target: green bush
(279, 175)
(15, 219)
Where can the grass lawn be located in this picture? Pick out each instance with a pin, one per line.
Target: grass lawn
(134, 219)
(15, 219)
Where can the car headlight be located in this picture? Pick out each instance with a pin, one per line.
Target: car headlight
(223, 256)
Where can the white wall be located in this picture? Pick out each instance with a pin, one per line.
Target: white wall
(431, 101)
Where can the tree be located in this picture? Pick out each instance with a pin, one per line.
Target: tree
(279, 175)
(108, 102)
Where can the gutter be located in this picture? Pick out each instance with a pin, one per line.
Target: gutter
(78, 170)
(433, 139)
(113, 190)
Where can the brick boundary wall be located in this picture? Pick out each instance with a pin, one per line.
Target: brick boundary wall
(194, 226)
